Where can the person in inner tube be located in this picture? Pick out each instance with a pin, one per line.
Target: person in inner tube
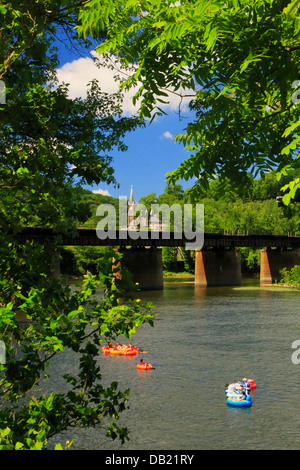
(145, 364)
(246, 387)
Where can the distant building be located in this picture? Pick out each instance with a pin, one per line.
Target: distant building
(154, 223)
(143, 220)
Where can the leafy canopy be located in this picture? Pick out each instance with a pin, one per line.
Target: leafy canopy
(50, 143)
(240, 60)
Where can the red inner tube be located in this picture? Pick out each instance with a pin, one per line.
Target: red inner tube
(144, 367)
(130, 353)
(252, 385)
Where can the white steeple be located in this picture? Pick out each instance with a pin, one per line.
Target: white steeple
(131, 209)
(131, 199)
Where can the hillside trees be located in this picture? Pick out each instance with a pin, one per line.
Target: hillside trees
(239, 61)
(49, 145)
(254, 211)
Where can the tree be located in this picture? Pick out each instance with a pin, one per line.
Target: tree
(49, 144)
(169, 258)
(238, 60)
(290, 277)
(173, 194)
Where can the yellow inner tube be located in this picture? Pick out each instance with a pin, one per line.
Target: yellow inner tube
(116, 352)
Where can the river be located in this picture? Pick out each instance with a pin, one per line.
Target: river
(204, 338)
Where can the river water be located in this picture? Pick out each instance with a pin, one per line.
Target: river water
(204, 338)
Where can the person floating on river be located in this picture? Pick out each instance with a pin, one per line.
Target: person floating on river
(144, 365)
(246, 386)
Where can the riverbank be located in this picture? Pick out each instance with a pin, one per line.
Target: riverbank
(287, 286)
(186, 276)
(170, 274)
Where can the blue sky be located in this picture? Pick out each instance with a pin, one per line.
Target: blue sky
(151, 152)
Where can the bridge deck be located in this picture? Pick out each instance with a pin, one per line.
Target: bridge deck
(88, 237)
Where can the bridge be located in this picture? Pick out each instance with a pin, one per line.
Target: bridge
(88, 237)
(217, 262)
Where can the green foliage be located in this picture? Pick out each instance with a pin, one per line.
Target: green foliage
(86, 258)
(188, 260)
(253, 211)
(148, 200)
(238, 60)
(49, 142)
(290, 277)
(261, 217)
(49, 145)
(57, 318)
(169, 258)
(90, 201)
(250, 260)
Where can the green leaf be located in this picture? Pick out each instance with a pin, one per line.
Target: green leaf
(286, 199)
(291, 128)
(22, 171)
(212, 37)
(292, 9)
(247, 61)
(19, 446)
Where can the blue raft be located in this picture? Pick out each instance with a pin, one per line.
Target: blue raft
(238, 402)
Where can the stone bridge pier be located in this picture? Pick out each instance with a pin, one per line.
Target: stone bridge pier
(273, 260)
(145, 266)
(217, 267)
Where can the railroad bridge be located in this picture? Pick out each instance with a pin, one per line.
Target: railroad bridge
(217, 262)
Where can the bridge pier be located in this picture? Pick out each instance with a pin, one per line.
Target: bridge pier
(272, 261)
(217, 267)
(145, 266)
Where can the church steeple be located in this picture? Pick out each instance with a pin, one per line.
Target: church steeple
(131, 207)
(131, 199)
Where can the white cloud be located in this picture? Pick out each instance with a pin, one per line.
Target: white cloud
(101, 191)
(167, 135)
(80, 72)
